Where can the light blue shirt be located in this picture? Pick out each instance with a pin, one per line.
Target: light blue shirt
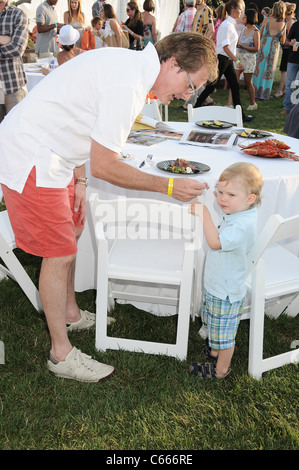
(225, 269)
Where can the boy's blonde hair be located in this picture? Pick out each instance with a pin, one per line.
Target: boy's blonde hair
(249, 174)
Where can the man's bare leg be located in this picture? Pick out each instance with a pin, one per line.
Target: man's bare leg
(72, 309)
(53, 289)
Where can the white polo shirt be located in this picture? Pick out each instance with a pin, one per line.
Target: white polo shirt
(227, 36)
(97, 95)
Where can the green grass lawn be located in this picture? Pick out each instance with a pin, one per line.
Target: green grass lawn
(151, 402)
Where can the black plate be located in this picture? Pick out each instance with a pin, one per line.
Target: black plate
(225, 125)
(252, 133)
(199, 167)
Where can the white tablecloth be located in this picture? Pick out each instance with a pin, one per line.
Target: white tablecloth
(33, 72)
(280, 191)
(33, 78)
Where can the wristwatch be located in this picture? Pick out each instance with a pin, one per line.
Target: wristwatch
(81, 181)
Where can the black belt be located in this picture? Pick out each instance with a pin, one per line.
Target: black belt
(223, 57)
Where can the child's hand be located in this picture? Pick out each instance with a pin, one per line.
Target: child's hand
(195, 207)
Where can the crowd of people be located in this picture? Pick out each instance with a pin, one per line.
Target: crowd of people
(105, 30)
(140, 26)
(63, 122)
(248, 43)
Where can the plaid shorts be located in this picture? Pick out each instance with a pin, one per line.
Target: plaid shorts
(221, 318)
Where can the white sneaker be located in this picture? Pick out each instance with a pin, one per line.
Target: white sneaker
(79, 366)
(87, 320)
(252, 107)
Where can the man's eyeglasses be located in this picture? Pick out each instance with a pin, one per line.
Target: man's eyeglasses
(193, 88)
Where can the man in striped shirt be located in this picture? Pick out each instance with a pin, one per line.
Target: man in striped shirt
(13, 42)
(185, 19)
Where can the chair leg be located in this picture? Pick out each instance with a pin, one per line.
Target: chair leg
(2, 354)
(293, 309)
(184, 310)
(256, 333)
(101, 309)
(17, 272)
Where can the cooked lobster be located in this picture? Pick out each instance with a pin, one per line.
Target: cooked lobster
(269, 148)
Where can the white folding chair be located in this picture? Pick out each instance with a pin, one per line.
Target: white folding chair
(161, 255)
(221, 113)
(13, 268)
(152, 110)
(274, 273)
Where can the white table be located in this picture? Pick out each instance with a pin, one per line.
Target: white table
(33, 72)
(33, 78)
(280, 191)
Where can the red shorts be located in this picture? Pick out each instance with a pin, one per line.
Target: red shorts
(43, 219)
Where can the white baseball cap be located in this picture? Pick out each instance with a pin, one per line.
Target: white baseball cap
(68, 35)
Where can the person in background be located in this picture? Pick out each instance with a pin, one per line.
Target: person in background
(134, 26)
(266, 11)
(247, 47)
(220, 15)
(291, 127)
(96, 8)
(226, 47)
(112, 32)
(184, 23)
(185, 19)
(68, 38)
(13, 42)
(75, 16)
(290, 19)
(63, 123)
(238, 192)
(97, 26)
(260, 17)
(149, 23)
(47, 29)
(177, 19)
(202, 24)
(203, 19)
(292, 68)
(273, 33)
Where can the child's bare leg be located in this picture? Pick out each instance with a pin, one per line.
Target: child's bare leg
(214, 352)
(224, 360)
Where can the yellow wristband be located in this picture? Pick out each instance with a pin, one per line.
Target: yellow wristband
(170, 187)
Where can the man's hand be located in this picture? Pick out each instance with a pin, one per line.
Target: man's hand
(187, 189)
(80, 201)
